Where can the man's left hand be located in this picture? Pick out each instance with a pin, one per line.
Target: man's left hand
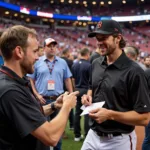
(100, 115)
(59, 102)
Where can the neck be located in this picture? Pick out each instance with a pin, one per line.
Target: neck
(114, 56)
(82, 57)
(15, 67)
(51, 58)
(97, 51)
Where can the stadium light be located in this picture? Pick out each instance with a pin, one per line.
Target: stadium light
(109, 2)
(102, 3)
(94, 3)
(80, 23)
(6, 12)
(45, 19)
(51, 1)
(77, 2)
(16, 15)
(124, 2)
(27, 19)
(84, 24)
(84, 2)
(142, 0)
(62, 1)
(70, 1)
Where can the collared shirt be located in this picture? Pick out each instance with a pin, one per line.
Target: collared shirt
(123, 87)
(20, 113)
(42, 75)
(1, 60)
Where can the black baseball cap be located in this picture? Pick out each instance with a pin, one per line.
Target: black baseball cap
(106, 27)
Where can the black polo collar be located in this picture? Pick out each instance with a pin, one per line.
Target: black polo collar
(13, 75)
(120, 63)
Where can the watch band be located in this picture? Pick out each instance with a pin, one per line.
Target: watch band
(53, 106)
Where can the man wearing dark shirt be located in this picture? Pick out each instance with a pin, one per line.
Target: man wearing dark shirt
(23, 122)
(65, 56)
(81, 74)
(121, 84)
(95, 55)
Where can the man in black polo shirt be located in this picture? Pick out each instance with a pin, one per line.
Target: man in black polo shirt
(81, 75)
(121, 83)
(22, 123)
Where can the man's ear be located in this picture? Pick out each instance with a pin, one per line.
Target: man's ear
(18, 52)
(118, 39)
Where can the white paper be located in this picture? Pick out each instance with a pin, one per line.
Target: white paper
(87, 109)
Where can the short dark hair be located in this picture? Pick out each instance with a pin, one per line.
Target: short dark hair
(13, 37)
(65, 51)
(84, 51)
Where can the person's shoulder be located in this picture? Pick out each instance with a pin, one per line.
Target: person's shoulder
(135, 68)
(98, 60)
(147, 70)
(7, 84)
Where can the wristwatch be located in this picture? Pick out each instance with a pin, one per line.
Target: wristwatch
(53, 106)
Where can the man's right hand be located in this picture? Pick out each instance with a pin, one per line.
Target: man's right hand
(86, 100)
(41, 99)
(70, 100)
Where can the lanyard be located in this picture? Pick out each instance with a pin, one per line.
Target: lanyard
(50, 68)
(5, 72)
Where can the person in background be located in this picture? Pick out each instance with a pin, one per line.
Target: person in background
(50, 74)
(95, 55)
(132, 52)
(147, 62)
(65, 56)
(81, 74)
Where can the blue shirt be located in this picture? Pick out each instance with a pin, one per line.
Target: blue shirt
(1, 60)
(42, 75)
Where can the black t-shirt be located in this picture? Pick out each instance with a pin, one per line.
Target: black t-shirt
(20, 113)
(81, 73)
(69, 62)
(123, 87)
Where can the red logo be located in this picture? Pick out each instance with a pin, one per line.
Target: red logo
(116, 29)
(99, 25)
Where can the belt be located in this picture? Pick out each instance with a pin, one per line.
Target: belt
(108, 134)
(51, 97)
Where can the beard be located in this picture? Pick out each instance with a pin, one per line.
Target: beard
(26, 67)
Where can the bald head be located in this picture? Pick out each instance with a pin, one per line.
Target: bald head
(131, 52)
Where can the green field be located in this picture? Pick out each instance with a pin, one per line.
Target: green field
(69, 143)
